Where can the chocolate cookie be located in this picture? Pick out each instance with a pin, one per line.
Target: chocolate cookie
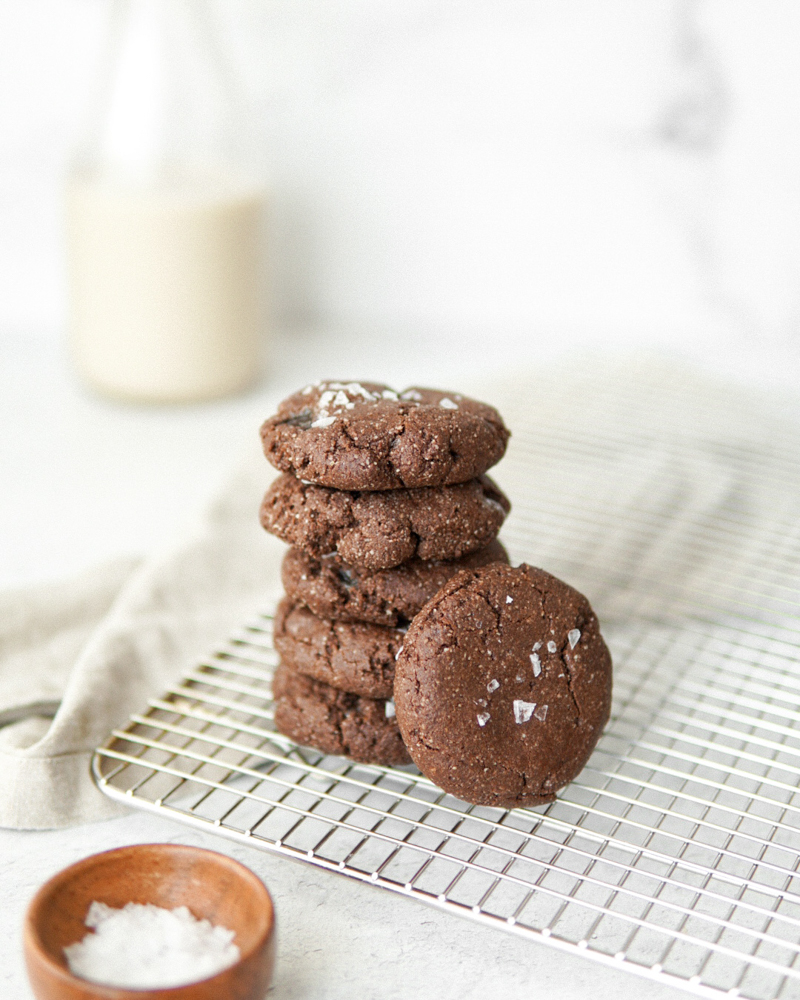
(366, 436)
(376, 530)
(333, 589)
(503, 686)
(319, 716)
(350, 656)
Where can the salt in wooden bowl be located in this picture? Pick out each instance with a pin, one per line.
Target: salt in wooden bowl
(213, 886)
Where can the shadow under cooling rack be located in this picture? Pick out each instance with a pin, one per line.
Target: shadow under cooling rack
(675, 852)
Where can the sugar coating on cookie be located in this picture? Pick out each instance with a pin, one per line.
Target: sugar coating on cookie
(500, 702)
(380, 529)
(367, 436)
(352, 656)
(334, 589)
(320, 716)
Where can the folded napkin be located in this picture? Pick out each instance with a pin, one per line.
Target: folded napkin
(77, 658)
(654, 490)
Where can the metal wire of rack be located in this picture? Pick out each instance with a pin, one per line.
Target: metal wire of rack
(675, 852)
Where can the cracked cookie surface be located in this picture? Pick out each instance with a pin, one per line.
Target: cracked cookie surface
(377, 530)
(351, 656)
(319, 716)
(503, 686)
(366, 436)
(333, 589)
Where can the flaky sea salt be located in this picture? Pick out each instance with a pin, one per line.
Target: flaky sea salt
(573, 635)
(353, 388)
(523, 710)
(536, 663)
(142, 946)
(448, 404)
(483, 718)
(492, 686)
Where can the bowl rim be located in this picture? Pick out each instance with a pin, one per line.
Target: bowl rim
(33, 943)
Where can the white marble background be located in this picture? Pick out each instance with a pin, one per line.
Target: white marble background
(492, 181)
(519, 168)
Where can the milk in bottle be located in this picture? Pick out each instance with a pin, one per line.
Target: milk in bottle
(164, 227)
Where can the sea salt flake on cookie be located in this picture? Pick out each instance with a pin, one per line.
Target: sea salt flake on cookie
(448, 404)
(483, 718)
(551, 647)
(357, 389)
(523, 710)
(536, 663)
(492, 686)
(574, 636)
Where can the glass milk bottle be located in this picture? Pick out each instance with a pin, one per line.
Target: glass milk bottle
(163, 225)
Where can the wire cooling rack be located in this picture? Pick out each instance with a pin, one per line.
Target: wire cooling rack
(675, 853)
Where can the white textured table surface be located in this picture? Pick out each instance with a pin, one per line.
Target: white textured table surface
(336, 938)
(83, 479)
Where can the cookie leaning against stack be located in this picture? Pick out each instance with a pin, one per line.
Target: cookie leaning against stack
(503, 686)
(383, 499)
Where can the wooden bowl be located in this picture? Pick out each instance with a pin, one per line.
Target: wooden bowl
(213, 886)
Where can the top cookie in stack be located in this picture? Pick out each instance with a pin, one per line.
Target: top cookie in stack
(383, 499)
(365, 436)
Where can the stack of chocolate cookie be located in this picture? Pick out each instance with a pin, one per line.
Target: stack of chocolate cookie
(383, 500)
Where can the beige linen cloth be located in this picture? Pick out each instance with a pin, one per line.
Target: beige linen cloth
(77, 658)
(643, 484)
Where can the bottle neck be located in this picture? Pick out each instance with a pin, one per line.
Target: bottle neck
(165, 110)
